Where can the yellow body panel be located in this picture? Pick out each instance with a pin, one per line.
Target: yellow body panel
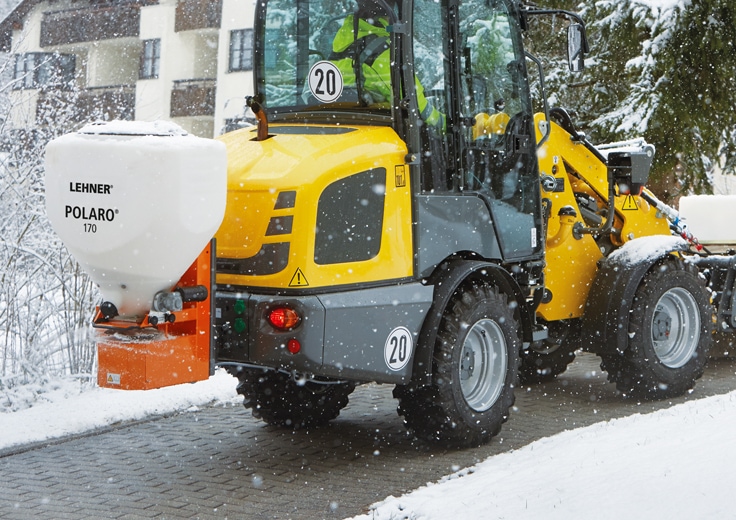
(570, 261)
(640, 219)
(305, 161)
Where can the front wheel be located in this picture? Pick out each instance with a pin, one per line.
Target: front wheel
(475, 370)
(670, 335)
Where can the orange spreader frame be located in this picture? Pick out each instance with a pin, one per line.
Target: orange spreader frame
(134, 355)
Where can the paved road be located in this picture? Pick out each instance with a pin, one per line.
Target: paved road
(220, 463)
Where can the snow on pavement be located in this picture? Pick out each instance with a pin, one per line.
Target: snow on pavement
(672, 464)
(62, 414)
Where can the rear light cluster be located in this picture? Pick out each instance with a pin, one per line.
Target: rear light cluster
(286, 318)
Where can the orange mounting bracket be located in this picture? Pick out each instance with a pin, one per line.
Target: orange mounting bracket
(139, 355)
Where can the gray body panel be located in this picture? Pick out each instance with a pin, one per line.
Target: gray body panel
(448, 224)
(343, 335)
(358, 324)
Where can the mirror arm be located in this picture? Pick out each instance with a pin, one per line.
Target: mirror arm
(569, 14)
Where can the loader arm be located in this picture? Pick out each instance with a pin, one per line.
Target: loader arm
(587, 217)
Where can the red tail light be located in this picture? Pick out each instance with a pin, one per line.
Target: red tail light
(294, 346)
(284, 318)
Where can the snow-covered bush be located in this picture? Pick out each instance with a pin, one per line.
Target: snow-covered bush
(46, 301)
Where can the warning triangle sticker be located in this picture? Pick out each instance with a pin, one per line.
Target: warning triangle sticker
(630, 204)
(298, 280)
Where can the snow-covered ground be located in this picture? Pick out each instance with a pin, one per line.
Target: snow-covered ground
(62, 410)
(672, 464)
(676, 463)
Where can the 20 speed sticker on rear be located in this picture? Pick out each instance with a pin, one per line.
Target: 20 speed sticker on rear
(398, 349)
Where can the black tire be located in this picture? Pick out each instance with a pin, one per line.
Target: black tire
(542, 362)
(475, 371)
(670, 331)
(277, 399)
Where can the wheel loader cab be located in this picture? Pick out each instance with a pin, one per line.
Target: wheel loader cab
(449, 77)
(488, 150)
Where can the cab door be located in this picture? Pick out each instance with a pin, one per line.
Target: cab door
(494, 128)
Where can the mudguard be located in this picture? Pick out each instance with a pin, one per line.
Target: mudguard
(448, 276)
(605, 323)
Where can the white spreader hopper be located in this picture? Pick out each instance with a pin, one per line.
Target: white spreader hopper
(135, 203)
(710, 218)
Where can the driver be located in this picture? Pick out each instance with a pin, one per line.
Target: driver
(365, 36)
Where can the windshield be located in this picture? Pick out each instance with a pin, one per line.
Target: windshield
(316, 55)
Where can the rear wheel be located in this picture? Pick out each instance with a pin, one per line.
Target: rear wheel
(475, 371)
(278, 400)
(670, 335)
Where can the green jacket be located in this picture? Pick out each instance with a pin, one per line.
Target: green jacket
(372, 46)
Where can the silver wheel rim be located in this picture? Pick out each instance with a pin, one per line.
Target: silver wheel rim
(483, 364)
(676, 328)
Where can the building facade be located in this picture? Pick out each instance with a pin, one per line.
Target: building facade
(187, 61)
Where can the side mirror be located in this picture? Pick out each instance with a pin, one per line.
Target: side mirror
(577, 47)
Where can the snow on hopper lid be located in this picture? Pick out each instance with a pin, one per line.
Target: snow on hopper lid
(133, 128)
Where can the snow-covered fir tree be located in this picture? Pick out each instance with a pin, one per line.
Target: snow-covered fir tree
(662, 69)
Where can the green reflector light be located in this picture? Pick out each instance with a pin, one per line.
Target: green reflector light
(239, 306)
(239, 325)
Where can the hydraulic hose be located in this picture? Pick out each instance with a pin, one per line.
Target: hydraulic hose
(673, 216)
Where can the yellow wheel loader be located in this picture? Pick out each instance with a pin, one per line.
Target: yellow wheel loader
(364, 241)
(398, 215)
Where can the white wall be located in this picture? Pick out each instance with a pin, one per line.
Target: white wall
(184, 55)
(22, 113)
(197, 55)
(232, 87)
(113, 62)
(28, 38)
(116, 62)
(153, 96)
